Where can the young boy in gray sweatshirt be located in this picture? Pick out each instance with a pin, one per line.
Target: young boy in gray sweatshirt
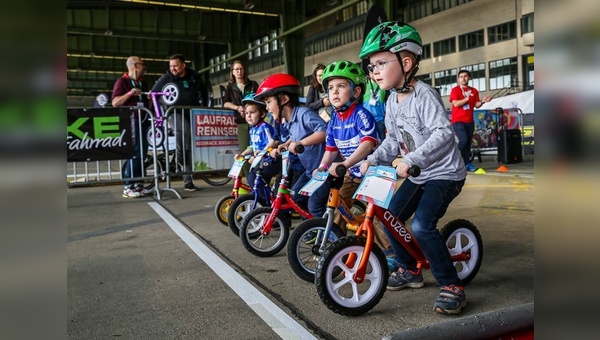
(418, 128)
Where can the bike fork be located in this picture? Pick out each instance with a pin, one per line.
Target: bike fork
(323, 236)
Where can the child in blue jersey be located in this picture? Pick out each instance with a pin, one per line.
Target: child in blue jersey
(263, 136)
(374, 100)
(351, 133)
(281, 94)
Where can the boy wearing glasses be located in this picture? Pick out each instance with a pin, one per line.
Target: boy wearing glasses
(418, 128)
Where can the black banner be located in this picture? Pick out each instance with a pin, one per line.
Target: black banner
(99, 134)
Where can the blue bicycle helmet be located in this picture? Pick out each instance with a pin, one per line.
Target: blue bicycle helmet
(249, 99)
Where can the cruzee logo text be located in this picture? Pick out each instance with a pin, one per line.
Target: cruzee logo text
(398, 227)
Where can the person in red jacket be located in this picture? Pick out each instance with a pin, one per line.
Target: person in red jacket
(465, 99)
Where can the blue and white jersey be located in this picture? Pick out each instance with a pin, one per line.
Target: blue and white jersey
(374, 101)
(261, 134)
(347, 130)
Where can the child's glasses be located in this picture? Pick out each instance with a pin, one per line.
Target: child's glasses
(379, 64)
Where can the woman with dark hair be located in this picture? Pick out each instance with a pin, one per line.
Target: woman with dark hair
(239, 87)
(316, 98)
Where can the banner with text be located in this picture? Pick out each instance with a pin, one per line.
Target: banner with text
(487, 125)
(99, 134)
(215, 138)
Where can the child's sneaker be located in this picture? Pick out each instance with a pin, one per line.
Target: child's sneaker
(405, 278)
(451, 300)
(131, 193)
(471, 167)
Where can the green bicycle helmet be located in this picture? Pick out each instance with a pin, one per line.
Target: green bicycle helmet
(347, 70)
(392, 36)
(344, 69)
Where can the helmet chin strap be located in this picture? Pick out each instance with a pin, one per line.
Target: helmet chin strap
(407, 79)
(345, 106)
(280, 106)
(348, 104)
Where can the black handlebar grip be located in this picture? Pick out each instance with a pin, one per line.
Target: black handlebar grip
(299, 148)
(340, 170)
(414, 171)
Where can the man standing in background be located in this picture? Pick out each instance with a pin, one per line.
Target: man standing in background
(127, 91)
(464, 100)
(192, 92)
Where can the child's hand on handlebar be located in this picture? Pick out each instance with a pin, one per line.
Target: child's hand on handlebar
(333, 168)
(276, 151)
(292, 147)
(402, 169)
(364, 166)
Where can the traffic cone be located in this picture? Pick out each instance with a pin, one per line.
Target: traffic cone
(480, 171)
(502, 168)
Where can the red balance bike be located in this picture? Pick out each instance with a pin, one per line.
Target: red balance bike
(351, 275)
(265, 231)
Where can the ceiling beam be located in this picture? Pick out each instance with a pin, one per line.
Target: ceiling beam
(201, 7)
(110, 72)
(120, 57)
(137, 35)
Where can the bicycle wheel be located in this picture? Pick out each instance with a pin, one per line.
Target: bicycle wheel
(463, 236)
(264, 245)
(222, 208)
(334, 280)
(303, 246)
(240, 207)
(155, 136)
(215, 179)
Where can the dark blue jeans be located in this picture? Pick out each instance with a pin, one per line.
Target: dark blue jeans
(429, 203)
(183, 141)
(272, 169)
(464, 132)
(317, 202)
(134, 167)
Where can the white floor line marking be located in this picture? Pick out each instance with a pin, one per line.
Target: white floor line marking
(281, 323)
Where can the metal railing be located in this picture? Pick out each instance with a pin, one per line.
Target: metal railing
(208, 153)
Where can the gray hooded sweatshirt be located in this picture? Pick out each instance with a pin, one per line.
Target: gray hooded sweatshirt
(418, 128)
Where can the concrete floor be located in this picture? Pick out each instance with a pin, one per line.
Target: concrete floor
(131, 275)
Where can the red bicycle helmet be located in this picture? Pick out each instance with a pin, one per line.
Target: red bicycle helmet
(277, 83)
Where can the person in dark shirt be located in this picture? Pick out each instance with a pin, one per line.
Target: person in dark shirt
(238, 88)
(317, 98)
(192, 92)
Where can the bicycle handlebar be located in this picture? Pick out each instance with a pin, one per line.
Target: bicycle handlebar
(340, 170)
(414, 171)
(149, 93)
